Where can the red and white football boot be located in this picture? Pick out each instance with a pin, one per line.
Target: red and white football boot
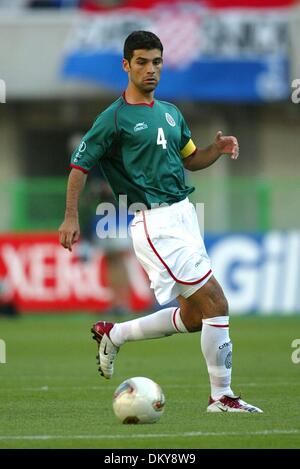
(107, 351)
(231, 404)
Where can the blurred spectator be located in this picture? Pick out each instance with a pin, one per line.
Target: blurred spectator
(89, 5)
(52, 3)
(98, 5)
(7, 304)
(116, 249)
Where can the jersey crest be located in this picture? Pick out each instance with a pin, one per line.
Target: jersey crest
(170, 119)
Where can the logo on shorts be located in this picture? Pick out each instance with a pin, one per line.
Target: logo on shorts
(170, 119)
(140, 126)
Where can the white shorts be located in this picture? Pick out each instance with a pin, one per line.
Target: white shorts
(168, 244)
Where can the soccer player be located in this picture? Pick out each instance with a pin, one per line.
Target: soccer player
(143, 146)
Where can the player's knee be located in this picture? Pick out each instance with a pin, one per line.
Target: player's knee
(195, 325)
(192, 318)
(217, 302)
(222, 306)
(217, 305)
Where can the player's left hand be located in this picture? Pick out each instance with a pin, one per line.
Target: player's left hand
(227, 145)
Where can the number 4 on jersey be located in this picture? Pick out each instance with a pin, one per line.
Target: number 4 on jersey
(161, 138)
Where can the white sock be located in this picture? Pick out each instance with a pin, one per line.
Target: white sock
(162, 323)
(217, 350)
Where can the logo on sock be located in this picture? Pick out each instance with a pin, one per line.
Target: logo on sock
(228, 360)
(226, 344)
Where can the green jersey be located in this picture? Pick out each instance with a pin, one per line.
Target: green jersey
(140, 148)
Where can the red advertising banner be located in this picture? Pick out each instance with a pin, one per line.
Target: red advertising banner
(40, 275)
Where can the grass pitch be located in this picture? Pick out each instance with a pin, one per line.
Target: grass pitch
(51, 395)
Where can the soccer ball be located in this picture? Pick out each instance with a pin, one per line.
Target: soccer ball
(138, 400)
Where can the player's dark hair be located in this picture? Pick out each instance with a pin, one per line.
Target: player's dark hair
(141, 40)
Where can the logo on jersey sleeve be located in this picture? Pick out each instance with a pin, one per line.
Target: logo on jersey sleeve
(82, 147)
(170, 119)
(140, 126)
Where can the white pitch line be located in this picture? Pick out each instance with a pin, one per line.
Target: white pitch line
(106, 387)
(149, 435)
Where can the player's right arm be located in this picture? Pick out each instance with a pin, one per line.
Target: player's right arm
(69, 230)
(92, 148)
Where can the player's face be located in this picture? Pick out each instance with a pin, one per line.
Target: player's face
(144, 69)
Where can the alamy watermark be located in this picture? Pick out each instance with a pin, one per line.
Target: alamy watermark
(295, 357)
(114, 220)
(2, 351)
(2, 91)
(296, 93)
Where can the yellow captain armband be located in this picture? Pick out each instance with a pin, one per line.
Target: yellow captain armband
(189, 148)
